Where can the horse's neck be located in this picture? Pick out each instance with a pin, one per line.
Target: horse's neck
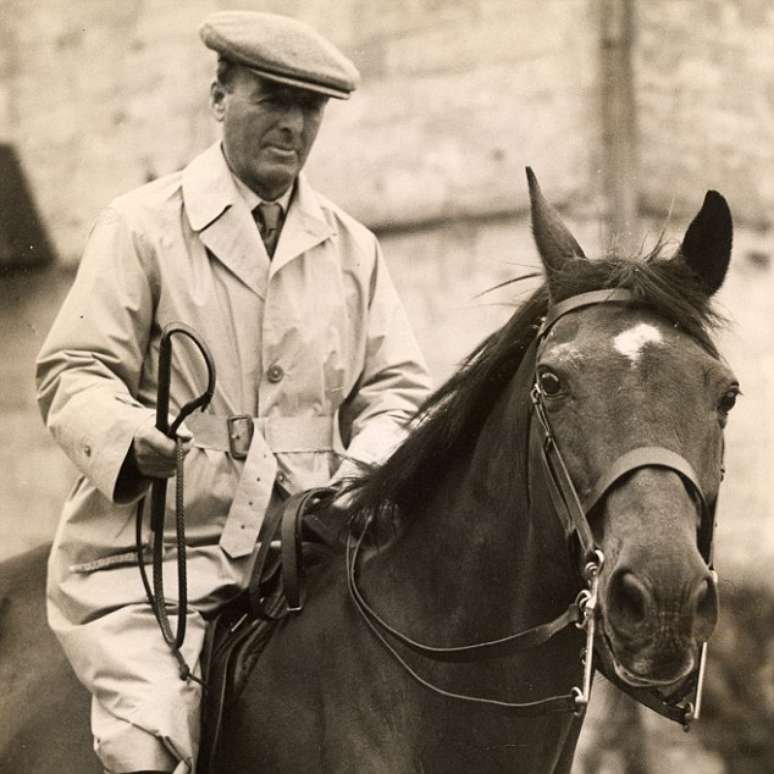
(477, 561)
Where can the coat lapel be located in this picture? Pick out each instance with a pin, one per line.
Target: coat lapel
(219, 215)
(305, 226)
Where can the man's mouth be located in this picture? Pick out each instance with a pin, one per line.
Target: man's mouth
(281, 150)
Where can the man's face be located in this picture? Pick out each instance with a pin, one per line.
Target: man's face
(268, 129)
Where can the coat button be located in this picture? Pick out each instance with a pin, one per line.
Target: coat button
(275, 374)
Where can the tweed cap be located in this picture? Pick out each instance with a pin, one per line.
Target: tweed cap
(281, 49)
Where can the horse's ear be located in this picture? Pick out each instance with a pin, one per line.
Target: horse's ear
(556, 245)
(706, 247)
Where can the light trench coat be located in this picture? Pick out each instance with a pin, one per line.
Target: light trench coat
(315, 338)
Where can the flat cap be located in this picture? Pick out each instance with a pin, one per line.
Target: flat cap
(281, 49)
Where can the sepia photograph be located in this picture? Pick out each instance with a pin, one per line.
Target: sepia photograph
(386, 387)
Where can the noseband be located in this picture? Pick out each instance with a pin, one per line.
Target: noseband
(573, 512)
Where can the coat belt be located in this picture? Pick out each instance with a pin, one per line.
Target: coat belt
(282, 434)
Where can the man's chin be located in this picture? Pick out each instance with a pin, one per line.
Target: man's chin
(274, 179)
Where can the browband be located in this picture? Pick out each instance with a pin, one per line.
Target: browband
(611, 295)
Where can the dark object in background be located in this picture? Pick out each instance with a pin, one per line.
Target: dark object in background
(739, 699)
(23, 239)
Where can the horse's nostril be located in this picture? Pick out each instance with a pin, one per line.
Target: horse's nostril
(629, 598)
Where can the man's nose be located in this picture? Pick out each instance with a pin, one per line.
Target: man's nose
(293, 119)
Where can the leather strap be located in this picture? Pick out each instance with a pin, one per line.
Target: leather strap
(645, 457)
(285, 519)
(477, 651)
(672, 709)
(564, 497)
(258, 606)
(292, 521)
(593, 297)
(282, 434)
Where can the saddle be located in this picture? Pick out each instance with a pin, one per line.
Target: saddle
(294, 541)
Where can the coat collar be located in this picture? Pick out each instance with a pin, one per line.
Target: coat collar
(305, 225)
(218, 213)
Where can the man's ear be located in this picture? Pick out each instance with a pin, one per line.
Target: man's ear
(218, 100)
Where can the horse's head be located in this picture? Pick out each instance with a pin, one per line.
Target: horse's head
(643, 374)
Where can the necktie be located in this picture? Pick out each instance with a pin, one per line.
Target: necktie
(268, 216)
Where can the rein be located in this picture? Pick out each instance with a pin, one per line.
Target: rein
(155, 593)
(582, 612)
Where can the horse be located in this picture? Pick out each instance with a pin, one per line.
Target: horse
(551, 510)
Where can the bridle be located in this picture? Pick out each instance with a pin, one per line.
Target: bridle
(572, 512)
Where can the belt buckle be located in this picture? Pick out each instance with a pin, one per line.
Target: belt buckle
(240, 434)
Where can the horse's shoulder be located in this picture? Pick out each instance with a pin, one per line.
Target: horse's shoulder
(41, 698)
(22, 581)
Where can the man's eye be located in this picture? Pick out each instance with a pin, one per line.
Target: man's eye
(728, 401)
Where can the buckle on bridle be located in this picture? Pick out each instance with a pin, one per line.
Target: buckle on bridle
(240, 434)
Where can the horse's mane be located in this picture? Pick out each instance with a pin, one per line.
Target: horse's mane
(448, 424)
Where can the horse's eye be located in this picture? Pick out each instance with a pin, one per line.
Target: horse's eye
(549, 382)
(728, 401)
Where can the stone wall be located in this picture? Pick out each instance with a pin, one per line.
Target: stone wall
(706, 103)
(457, 98)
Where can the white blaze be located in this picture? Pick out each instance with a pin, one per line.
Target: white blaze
(631, 342)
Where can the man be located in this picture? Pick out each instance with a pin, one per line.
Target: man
(309, 340)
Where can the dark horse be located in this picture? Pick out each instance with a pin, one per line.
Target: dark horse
(613, 409)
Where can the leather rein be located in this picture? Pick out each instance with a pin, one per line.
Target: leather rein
(155, 593)
(572, 511)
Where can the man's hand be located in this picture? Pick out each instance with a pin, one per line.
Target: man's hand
(154, 454)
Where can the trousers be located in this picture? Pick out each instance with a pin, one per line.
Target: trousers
(143, 715)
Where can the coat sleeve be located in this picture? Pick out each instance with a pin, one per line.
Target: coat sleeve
(393, 384)
(90, 365)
